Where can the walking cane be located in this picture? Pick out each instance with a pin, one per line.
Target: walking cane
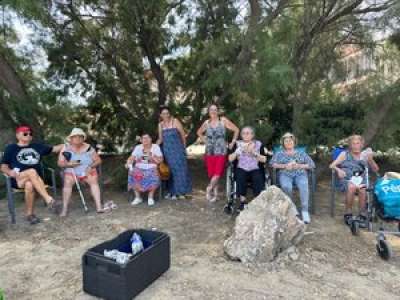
(67, 156)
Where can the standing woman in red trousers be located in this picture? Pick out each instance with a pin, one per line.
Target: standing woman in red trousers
(213, 134)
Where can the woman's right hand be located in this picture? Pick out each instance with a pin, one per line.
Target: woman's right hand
(341, 174)
(290, 166)
(13, 174)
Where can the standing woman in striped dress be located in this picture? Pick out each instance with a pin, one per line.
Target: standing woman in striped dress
(173, 140)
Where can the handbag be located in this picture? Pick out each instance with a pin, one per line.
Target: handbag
(164, 171)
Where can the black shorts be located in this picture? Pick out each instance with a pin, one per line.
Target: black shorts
(14, 184)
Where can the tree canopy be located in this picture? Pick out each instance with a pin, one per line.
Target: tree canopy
(278, 65)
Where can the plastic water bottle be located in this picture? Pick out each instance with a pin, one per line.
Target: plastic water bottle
(136, 243)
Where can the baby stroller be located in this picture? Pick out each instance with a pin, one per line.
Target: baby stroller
(233, 205)
(386, 209)
(383, 207)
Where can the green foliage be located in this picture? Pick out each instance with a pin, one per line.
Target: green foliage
(118, 54)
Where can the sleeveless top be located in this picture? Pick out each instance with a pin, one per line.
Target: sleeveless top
(85, 160)
(351, 165)
(215, 143)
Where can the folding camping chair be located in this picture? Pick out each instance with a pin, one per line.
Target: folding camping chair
(11, 192)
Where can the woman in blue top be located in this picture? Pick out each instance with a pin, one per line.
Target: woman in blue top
(173, 139)
(293, 167)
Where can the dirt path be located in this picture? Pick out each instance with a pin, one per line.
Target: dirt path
(43, 261)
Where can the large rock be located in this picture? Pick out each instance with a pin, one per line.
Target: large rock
(267, 226)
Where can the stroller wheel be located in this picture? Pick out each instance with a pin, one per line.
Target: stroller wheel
(228, 209)
(355, 228)
(384, 250)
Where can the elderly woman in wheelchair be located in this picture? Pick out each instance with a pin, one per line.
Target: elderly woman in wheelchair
(293, 165)
(350, 168)
(247, 161)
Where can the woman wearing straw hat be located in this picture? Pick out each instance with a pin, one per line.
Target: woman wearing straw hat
(293, 167)
(82, 163)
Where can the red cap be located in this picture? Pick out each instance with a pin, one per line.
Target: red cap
(23, 128)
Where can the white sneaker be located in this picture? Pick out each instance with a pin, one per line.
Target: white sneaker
(150, 202)
(306, 217)
(173, 197)
(136, 201)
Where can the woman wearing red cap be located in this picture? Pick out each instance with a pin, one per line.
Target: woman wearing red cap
(21, 161)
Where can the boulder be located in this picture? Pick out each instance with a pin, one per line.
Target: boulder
(266, 227)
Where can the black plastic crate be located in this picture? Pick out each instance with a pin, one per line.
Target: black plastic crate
(103, 277)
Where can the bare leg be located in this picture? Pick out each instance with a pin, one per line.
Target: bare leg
(137, 194)
(362, 196)
(29, 197)
(37, 182)
(151, 194)
(95, 191)
(67, 191)
(214, 184)
(351, 191)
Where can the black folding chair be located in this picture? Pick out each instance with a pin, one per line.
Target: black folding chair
(11, 192)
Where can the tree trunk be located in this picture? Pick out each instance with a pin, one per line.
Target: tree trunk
(375, 118)
(297, 112)
(14, 85)
(7, 125)
(156, 70)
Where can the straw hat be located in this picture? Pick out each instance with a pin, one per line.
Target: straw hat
(75, 132)
(288, 135)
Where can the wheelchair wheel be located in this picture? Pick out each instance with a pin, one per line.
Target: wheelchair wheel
(228, 209)
(383, 249)
(355, 228)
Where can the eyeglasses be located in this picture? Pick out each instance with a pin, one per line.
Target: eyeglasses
(27, 134)
(246, 132)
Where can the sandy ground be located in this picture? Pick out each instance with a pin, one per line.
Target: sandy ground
(44, 261)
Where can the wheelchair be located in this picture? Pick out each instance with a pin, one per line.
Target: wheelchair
(233, 205)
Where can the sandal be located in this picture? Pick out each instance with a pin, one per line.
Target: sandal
(53, 206)
(32, 219)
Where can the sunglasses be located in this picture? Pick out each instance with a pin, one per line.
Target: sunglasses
(27, 134)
